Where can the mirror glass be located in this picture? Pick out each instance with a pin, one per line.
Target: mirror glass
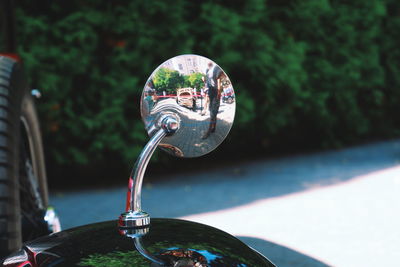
(200, 94)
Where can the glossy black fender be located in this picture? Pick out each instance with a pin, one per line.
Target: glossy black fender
(178, 242)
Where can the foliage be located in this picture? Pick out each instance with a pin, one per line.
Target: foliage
(168, 80)
(307, 73)
(195, 80)
(116, 259)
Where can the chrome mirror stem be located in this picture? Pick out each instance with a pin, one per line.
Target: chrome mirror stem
(134, 216)
(136, 179)
(136, 234)
(142, 250)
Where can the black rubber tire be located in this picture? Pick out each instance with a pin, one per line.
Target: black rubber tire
(15, 104)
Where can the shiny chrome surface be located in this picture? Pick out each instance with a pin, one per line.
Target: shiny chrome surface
(139, 169)
(175, 242)
(145, 253)
(136, 234)
(175, 128)
(36, 93)
(52, 220)
(134, 219)
(193, 88)
(134, 216)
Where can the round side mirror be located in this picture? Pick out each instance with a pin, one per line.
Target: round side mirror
(199, 95)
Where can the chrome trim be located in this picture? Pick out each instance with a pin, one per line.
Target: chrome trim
(145, 253)
(136, 235)
(134, 216)
(134, 219)
(140, 168)
(52, 220)
(36, 93)
(205, 119)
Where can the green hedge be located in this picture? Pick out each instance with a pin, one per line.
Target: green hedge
(310, 73)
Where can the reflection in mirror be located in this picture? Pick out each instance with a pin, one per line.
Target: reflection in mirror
(200, 93)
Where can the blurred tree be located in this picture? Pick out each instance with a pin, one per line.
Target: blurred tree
(195, 80)
(168, 80)
(343, 65)
(312, 73)
(91, 60)
(385, 100)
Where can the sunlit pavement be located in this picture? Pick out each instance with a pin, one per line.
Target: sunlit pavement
(338, 208)
(354, 223)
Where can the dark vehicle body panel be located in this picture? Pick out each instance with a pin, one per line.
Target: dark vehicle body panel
(101, 244)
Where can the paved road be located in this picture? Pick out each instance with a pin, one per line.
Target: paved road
(193, 126)
(337, 208)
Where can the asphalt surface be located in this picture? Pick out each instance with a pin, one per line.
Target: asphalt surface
(193, 126)
(334, 208)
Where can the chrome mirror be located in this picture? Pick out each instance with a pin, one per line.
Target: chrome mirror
(200, 94)
(188, 106)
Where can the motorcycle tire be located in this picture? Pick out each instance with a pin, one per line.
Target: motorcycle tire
(23, 183)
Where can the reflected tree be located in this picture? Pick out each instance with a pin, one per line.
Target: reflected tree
(168, 80)
(195, 80)
(115, 259)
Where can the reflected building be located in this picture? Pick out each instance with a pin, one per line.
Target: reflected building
(187, 64)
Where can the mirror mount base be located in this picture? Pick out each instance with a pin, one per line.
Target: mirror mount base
(134, 219)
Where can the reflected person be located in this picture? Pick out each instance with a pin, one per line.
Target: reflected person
(149, 101)
(147, 106)
(206, 101)
(213, 79)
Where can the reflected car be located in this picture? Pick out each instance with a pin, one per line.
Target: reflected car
(228, 96)
(185, 97)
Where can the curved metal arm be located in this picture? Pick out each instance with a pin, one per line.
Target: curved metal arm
(142, 250)
(136, 179)
(133, 215)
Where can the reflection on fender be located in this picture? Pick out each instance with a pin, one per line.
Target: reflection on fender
(31, 256)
